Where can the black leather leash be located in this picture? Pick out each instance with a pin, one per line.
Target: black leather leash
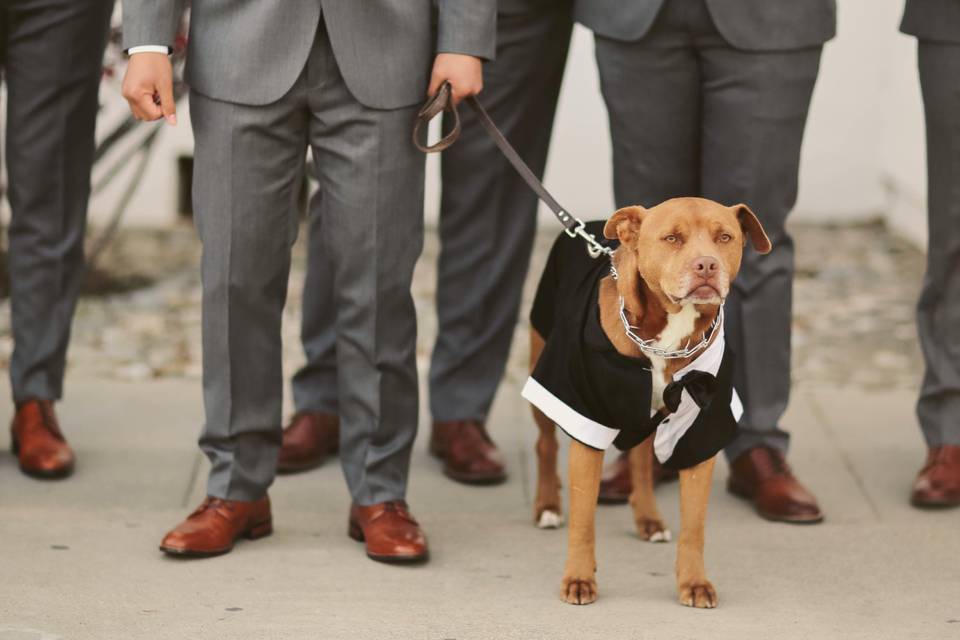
(443, 101)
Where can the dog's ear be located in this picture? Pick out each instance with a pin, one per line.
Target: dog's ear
(752, 228)
(624, 224)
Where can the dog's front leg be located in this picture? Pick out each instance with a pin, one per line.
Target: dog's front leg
(693, 588)
(647, 517)
(579, 584)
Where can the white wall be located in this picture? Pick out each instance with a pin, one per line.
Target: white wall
(862, 158)
(863, 155)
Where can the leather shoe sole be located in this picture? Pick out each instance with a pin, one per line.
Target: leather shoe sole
(476, 479)
(58, 473)
(254, 533)
(356, 532)
(613, 498)
(813, 518)
(934, 503)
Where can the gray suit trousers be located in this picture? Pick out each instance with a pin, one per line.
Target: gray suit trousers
(938, 311)
(692, 116)
(51, 56)
(248, 169)
(932, 20)
(487, 226)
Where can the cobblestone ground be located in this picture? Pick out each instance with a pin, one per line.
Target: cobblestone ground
(853, 309)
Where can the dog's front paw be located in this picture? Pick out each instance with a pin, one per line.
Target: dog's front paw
(652, 529)
(699, 594)
(578, 590)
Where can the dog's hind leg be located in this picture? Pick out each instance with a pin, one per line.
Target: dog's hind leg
(579, 583)
(650, 525)
(693, 588)
(547, 512)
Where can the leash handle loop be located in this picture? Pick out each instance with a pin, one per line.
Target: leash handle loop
(442, 101)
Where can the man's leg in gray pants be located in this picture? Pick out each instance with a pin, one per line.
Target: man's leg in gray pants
(726, 125)
(938, 311)
(754, 112)
(371, 178)
(652, 94)
(488, 214)
(52, 108)
(247, 168)
(690, 115)
(315, 384)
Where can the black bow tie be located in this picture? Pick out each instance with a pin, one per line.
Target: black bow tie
(699, 384)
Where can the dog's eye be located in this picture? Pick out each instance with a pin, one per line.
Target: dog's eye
(725, 237)
(672, 238)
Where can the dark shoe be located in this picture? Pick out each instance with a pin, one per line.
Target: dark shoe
(39, 444)
(468, 453)
(216, 525)
(762, 475)
(615, 486)
(938, 483)
(390, 532)
(307, 441)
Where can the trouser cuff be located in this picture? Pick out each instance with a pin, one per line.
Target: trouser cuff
(749, 439)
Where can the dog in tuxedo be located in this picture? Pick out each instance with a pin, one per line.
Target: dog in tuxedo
(631, 352)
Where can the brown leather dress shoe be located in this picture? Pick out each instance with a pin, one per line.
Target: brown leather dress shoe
(216, 525)
(37, 441)
(938, 483)
(762, 475)
(468, 453)
(307, 441)
(391, 533)
(615, 486)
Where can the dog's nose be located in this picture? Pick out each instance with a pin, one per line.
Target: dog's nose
(705, 266)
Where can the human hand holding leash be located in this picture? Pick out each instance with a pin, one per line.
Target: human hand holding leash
(463, 72)
(148, 87)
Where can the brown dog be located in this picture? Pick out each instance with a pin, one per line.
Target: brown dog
(658, 315)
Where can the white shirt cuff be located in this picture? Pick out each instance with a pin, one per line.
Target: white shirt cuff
(148, 48)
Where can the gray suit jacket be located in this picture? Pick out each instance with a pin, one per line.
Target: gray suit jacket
(936, 20)
(252, 51)
(751, 25)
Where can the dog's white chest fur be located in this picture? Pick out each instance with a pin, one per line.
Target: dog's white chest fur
(678, 330)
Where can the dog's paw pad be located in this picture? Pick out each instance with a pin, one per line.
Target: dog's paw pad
(700, 595)
(549, 520)
(574, 591)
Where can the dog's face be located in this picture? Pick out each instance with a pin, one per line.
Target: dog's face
(687, 250)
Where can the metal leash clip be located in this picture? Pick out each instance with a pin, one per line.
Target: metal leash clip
(594, 248)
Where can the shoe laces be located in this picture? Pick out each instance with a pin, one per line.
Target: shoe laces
(48, 419)
(943, 456)
(214, 504)
(400, 508)
(771, 462)
(473, 431)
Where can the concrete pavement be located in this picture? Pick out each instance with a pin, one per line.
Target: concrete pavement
(79, 558)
